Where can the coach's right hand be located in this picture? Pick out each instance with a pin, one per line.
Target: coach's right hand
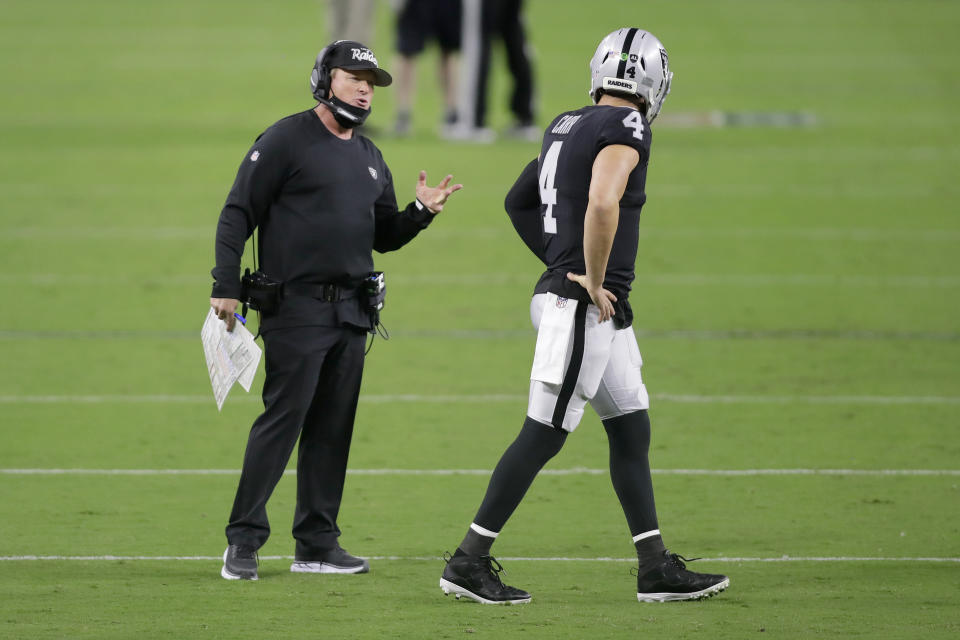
(225, 308)
(433, 198)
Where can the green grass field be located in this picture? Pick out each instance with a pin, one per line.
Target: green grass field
(796, 299)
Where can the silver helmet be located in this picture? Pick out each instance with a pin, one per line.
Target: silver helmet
(632, 62)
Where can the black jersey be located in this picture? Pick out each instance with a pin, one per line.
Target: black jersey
(563, 172)
(322, 205)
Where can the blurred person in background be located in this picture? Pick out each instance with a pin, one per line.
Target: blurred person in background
(350, 20)
(418, 22)
(485, 22)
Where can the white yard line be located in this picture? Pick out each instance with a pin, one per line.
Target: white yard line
(811, 399)
(576, 471)
(679, 398)
(219, 558)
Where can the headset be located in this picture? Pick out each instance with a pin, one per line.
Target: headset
(320, 76)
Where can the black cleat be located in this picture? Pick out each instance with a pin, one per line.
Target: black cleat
(335, 560)
(239, 562)
(669, 580)
(477, 577)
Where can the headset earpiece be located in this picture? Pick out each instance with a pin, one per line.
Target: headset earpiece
(320, 76)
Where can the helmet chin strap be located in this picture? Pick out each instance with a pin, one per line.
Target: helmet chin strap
(347, 115)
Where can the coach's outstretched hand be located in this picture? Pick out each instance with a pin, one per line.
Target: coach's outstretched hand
(433, 198)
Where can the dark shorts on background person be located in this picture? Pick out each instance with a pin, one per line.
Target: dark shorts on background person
(421, 20)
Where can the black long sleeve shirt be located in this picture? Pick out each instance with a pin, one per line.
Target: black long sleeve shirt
(322, 205)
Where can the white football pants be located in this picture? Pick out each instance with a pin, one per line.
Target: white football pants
(579, 360)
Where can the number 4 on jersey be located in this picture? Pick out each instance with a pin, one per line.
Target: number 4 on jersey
(548, 193)
(634, 122)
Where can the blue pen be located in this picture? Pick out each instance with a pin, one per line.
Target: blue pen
(240, 318)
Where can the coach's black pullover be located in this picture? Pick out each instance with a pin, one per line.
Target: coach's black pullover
(322, 205)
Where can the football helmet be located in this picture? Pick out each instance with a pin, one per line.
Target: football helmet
(633, 62)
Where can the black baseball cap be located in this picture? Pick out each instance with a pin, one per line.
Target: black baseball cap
(352, 55)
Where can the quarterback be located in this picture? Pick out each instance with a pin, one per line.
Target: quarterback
(577, 207)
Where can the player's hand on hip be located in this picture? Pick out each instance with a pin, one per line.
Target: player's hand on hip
(602, 298)
(433, 198)
(225, 308)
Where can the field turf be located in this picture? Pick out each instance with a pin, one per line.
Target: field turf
(796, 305)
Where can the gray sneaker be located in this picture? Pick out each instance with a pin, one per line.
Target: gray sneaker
(239, 562)
(335, 560)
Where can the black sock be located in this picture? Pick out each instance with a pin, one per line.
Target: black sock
(629, 439)
(518, 466)
(650, 550)
(476, 544)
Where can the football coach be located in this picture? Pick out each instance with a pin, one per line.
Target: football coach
(321, 199)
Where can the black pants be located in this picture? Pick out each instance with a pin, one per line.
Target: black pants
(501, 18)
(311, 388)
